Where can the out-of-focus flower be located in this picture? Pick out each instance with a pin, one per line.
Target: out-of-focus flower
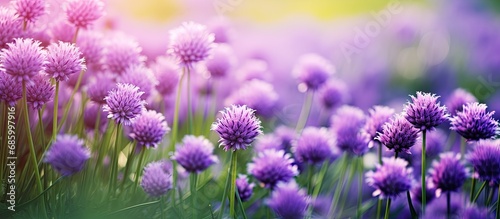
(91, 44)
(256, 94)
(377, 117)
(286, 136)
(474, 122)
(23, 59)
(485, 159)
(313, 71)
(140, 76)
(190, 43)
(245, 189)
(11, 26)
(222, 60)
(253, 69)
(435, 143)
(63, 60)
(272, 166)
(121, 52)
(289, 201)
(30, 10)
(475, 212)
(398, 134)
(67, 155)
(90, 117)
(124, 103)
(348, 126)
(333, 94)
(220, 27)
(39, 92)
(416, 192)
(448, 174)
(237, 127)
(167, 72)
(100, 87)
(149, 128)
(424, 112)
(195, 154)
(458, 99)
(390, 179)
(61, 30)
(268, 141)
(10, 89)
(82, 13)
(156, 179)
(315, 145)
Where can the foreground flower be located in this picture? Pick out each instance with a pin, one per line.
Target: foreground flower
(245, 189)
(313, 71)
(348, 126)
(67, 155)
(377, 117)
(30, 10)
(149, 128)
(272, 166)
(390, 179)
(195, 154)
(486, 160)
(11, 26)
(10, 89)
(190, 43)
(289, 201)
(63, 60)
(156, 179)
(314, 146)
(398, 134)
(448, 174)
(237, 127)
(424, 112)
(82, 13)
(23, 59)
(124, 103)
(458, 99)
(474, 122)
(40, 92)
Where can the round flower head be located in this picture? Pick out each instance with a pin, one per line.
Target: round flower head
(124, 103)
(314, 146)
(398, 134)
(390, 179)
(416, 192)
(90, 117)
(10, 89)
(67, 155)
(63, 60)
(23, 59)
(245, 189)
(167, 72)
(377, 117)
(237, 127)
(272, 166)
(435, 143)
(424, 112)
(221, 29)
(474, 122)
(100, 87)
(121, 52)
(348, 126)
(486, 160)
(256, 94)
(30, 10)
(40, 92)
(61, 30)
(11, 26)
(82, 13)
(156, 179)
(190, 43)
(458, 99)
(474, 212)
(447, 175)
(140, 76)
(149, 128)
(221, 62)
(333, 94)
(91, 44)
(313, 71)
(253, 69)
(195, 154)
(289, 201)
(285, 135)
(268, 141)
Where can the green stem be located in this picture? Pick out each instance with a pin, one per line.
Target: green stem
(130, 160)
(498, 203)
(379, 208)
(304, 113)
(114, 166)
(310, 170)
(387, 208)
(76, 35)
(232, 192)
(56, 107)
(240, 203)
(463, 145)
(190, 110)
(39, 195)
(224, 193)
(380, 153)
(175, 125)
(410, 204)
(479, 192)
(424, 191)
(347, 188)
(40, 125)
(473, 187)
(139, 166)
(134, 206)
(70, 101)
(193, 180)
(360, 187)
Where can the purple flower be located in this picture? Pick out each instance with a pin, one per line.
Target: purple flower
(256, 94)
(268, 141)
(120, 53)
(474, 123)
(474, 212)
(10, 89)
(40, 92)
(156, 179)
(63, 60)
(82, 13)
(272, 166)
(245, 189)
(11, 26)
(90, 117)
(124, 103)
(67, 155)
(285, 135)
(486, 160)
(313, 71)
(447, 175)
(289, 201)
(424, 112)
(91, 44)
(140, 76)
(195, 154)
(333, 94)
(253, 69)
(348, 126)
(100, 87)
(220, 28)
(30, 10)
(390, 179)
(222, 60)
(458, 99)
(435, 143)
(190, 43)
(23, 59)
(398, 134)
(149, 128)
(315, 145)
(377, 117)
(416, 192)
(167, 73)
(237, 127)
(61, 30)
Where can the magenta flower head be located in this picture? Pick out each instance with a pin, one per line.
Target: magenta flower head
(11, 26)
(398, 134)
(30, 10)
(245, 189)
(67, 155)
(82, 13)
(124, 103)
(190, 43)
(63, 60)
(120, 53)
(315, 145)
(313, 71)
(377, 117)
(268, 141)
(474, 122)
(157, 178)
(486, 160)
(99, 88)
(424, 112)
(256, 94)
(167, 72)
(140, 76)
(333, 94)
(272, 166)
(222, 60)
(11, 90)
(195, 154)
(40, 92)
(348, 126)
(449, 174)
(289, 201)
(149, 128)
(237, 127)
(458, 99)
(390, 179)
(61, 30)
(23, 59)
(91, 44)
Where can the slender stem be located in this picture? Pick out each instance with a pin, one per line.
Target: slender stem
(193, 180)
(473, 187)
(360, 187)
(232, 192)
(134, 206)
(139, 166)
(190, 110)
(498, 203)
(448, 206)
(130, 160)
(162, 210)
(490, 196)
(310, 170)
(463, 145)
(410, 204)
(114, 166)
(224, 193)
(380, 153)
(76, 35)
(175, 125)
(424, 190)
(347, 188)
(56, 106)
(70, 101)
(479, 192)
(40, 126)
(304, 113)
(240, 203)
(97, 126)
(379, 208)
(387, 208)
